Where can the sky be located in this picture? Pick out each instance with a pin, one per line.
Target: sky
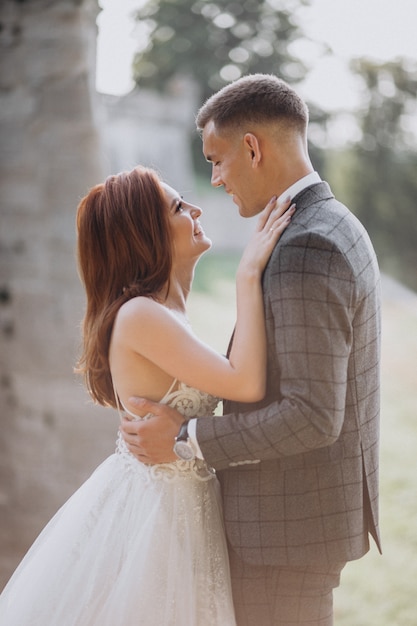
(378, 29)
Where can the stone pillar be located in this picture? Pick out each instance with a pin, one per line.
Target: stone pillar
(49, 157)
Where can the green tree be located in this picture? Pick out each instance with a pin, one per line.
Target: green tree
(216, 42)
(380, 181)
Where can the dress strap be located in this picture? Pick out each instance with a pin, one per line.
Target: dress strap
(120, 404)
(116, 397)
(174, 382)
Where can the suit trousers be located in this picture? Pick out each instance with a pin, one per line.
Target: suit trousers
(283, 596)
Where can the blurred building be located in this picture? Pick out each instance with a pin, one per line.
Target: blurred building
(151, 129)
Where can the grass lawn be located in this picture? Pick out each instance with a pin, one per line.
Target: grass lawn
(376, 590)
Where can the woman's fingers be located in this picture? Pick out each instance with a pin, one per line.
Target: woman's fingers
(279, 220)
(273, 210)
(272, 222)
(276, 224)
(266, 212)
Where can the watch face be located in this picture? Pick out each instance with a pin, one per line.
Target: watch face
(184, 451)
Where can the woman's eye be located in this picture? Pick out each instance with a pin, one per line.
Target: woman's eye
(179, 207)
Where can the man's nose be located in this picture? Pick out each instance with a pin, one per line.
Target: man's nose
(216, 180)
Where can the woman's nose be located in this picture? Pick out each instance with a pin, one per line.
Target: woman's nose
(196, 211)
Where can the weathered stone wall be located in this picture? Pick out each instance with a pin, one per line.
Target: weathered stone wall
(57, 138)
(49, 157)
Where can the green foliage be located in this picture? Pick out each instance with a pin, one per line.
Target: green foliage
(216, 42)
(389, 100)
(377, 177)
(385, 191)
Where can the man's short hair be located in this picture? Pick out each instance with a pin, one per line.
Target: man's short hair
(256, 98)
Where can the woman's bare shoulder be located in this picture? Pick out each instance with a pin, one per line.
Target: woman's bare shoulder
(143, 319)
(140, 308)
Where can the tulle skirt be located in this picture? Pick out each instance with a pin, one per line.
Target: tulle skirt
(134, 546)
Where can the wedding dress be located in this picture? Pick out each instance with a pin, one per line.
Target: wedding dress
(135, 545)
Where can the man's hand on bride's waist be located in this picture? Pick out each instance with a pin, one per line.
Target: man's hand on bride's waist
(151, 440)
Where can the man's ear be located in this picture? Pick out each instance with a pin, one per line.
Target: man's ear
(253, 148)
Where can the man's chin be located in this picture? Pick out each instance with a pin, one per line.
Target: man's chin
(245, 211)
(241, 209)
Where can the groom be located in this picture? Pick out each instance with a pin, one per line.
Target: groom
(299, 470)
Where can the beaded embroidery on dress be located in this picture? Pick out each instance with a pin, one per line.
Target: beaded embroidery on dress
(136, 545)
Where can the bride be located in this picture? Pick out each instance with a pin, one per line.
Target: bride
(138, 544)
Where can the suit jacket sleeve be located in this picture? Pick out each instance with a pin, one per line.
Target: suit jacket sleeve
(310, 298)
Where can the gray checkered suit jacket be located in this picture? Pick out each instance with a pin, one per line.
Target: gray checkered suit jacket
(299, 470)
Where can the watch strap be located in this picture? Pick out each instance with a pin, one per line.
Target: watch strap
(183, 432)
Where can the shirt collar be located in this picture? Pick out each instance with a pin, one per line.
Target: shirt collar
(299, 185)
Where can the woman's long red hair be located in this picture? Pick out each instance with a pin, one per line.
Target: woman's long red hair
(124, 250)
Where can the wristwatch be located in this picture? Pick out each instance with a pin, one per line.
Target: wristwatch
(183, 447)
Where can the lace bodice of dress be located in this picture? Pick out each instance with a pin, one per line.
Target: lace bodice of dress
(189, 402)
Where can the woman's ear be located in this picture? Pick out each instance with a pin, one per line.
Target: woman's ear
(253, 148)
